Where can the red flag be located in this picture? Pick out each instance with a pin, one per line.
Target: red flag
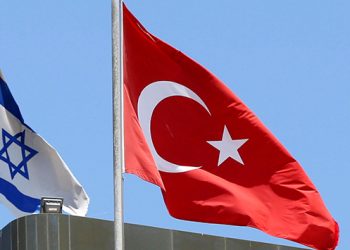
(217, 162)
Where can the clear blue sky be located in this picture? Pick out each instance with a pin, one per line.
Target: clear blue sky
(289, 61)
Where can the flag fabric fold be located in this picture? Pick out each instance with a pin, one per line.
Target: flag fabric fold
(30, 168)
(214, 159)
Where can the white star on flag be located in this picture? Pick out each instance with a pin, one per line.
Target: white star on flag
(228, 147)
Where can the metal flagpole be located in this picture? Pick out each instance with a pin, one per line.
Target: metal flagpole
(118, 124)
(1, 75)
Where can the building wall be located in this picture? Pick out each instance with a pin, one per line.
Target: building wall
(63, 232)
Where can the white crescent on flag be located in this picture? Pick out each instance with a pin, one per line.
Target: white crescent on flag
(148, 100)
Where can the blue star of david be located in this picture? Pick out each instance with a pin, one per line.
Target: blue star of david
(27, 153)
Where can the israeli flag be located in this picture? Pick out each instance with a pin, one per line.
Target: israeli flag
(30, 168)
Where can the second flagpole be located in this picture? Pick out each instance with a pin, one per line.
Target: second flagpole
(118, 123)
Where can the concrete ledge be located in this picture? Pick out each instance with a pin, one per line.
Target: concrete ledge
(63, 232)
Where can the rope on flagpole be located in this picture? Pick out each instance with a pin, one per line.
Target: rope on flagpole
(118, 123)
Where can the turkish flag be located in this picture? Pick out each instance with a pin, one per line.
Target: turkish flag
(215, 161)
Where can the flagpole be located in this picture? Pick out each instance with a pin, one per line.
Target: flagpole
(1, 75)
(118, 124)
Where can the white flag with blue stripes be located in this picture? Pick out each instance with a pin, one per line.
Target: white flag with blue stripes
(30, 168)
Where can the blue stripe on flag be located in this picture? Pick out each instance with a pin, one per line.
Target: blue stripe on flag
(7, 100)
(21, 201)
